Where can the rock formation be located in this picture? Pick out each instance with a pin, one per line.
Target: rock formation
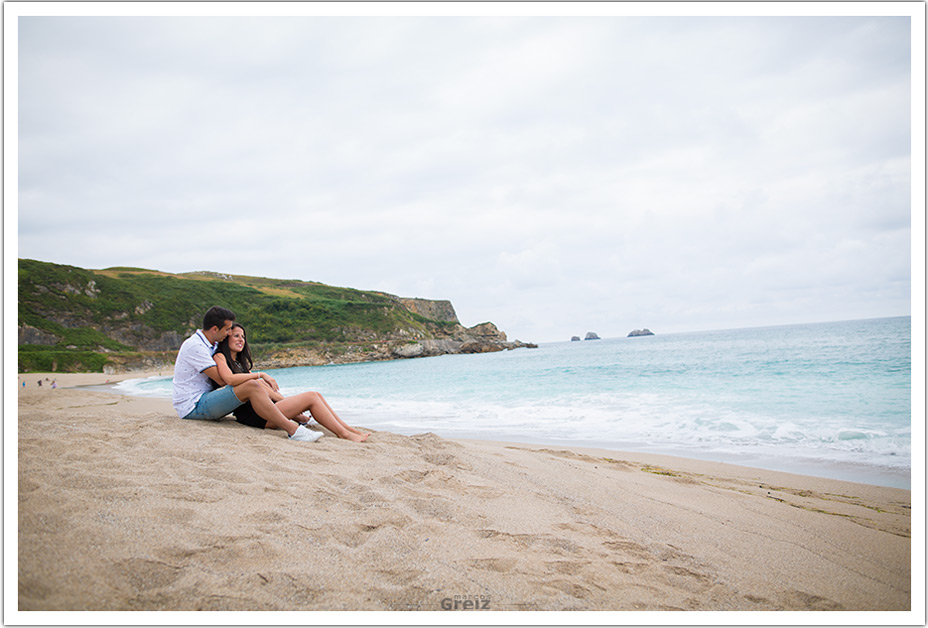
(640, 332)
(575, 338)
(591, 335)
(483, 338)
(29, 335)
(434, 310)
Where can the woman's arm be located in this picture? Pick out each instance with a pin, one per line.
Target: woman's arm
(230, 378)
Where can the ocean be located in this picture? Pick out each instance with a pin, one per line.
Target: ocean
(824, 399)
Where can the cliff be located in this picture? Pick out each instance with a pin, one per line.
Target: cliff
(118, 319)
(434, 310)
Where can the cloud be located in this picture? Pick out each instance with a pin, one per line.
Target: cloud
(683, 173)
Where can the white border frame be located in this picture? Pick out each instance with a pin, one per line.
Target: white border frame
(13, 10)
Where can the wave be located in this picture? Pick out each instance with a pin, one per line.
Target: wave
(640, 425)
(154, 386)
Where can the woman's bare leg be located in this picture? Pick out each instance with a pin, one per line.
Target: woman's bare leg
(315, 397)
(291, 407)
(265, 408)
(338, 418)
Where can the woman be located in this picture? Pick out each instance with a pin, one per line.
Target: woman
(233, 357)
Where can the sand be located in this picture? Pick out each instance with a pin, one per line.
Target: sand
(123, 506)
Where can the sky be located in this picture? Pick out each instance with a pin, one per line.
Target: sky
(553, 175)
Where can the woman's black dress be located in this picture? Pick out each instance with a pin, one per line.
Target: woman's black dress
(245, 414)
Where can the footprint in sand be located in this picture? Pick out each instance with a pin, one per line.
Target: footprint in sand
(144, 575)
(501, 565)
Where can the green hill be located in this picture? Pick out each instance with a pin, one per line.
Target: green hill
(75, 319)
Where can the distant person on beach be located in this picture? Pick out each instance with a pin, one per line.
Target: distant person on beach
(233, 358)
(194, 371)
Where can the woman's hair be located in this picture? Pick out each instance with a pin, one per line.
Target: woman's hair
(244, 356)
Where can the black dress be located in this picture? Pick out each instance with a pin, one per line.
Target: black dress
(245, 414)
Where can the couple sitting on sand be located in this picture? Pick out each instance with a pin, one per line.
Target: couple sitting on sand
(212, 377)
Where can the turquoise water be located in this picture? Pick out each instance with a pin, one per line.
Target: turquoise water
(827, 399)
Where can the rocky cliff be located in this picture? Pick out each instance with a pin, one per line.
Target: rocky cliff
(441, 311)
(459, 340)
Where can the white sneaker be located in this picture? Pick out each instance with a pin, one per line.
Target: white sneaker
(304, 434)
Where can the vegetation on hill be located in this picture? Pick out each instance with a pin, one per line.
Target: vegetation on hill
(77, 319)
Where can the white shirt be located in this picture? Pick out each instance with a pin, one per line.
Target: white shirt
(194, 357)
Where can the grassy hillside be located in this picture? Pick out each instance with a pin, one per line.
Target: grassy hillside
(78, 319)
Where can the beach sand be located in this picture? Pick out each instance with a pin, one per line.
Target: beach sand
(123, 506)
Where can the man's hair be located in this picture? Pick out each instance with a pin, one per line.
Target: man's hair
(217, 316)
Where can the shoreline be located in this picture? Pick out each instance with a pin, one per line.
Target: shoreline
(72, 380)
(122, 506)
(860, 474)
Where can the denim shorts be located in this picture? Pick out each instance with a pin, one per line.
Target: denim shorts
(215, 404)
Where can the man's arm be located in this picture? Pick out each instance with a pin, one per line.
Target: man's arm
(213, 373)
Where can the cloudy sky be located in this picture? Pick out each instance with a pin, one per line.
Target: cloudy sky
(554, 175)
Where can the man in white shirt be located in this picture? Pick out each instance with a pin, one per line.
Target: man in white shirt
(195, 370)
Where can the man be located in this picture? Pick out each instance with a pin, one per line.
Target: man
(194, 397)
